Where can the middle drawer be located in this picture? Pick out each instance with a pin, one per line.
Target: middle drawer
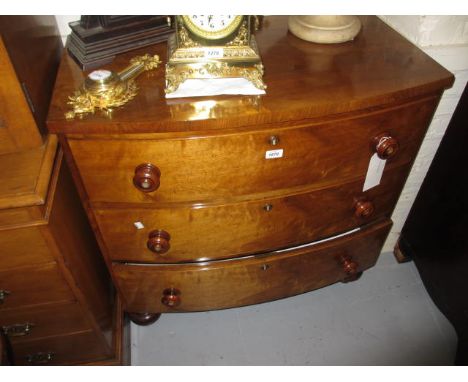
(173, 235)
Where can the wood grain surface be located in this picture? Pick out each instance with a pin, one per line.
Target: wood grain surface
(18, 130)
(34, 47)
(46, 322)
(23, 247)
(304, 81)
(66, 350)
(223, 284)
(25, 175)
(219, 208)
(226, 167)
(230, 230)
(33, 285)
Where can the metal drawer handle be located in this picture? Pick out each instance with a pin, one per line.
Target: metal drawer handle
(39, 358)
(18, 330)
(3, 294)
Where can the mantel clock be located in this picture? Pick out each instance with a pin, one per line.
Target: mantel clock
(213, 46)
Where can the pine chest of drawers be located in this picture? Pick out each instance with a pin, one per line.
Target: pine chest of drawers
(215, 202)
(57, 304)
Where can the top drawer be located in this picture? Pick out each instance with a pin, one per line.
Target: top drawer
(211, 168)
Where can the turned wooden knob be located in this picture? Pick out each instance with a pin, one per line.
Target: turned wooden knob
(146, 177)
(171, 297)
(349, 265)
(158, 241)
(385, 145)
(363, 209)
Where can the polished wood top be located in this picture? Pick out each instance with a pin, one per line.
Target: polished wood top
(305, 80)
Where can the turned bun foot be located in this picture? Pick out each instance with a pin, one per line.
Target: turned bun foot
(353, 277)
(144, 319)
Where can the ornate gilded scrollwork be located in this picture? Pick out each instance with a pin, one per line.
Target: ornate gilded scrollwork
(175, 75)
(184, 38)
(106, 90)
(242, 37)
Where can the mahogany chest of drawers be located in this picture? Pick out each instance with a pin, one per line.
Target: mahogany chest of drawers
(192, 212)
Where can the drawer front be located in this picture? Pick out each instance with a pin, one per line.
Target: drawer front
(218, 167)
(22, 247)
(249, 280)
(60, 350)
(22, 216)
(224, 231)
(29, 324)
(33, 285)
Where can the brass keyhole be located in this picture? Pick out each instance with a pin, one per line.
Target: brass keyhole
(268, 207)
(274, 140)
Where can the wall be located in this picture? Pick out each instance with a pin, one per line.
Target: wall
(62, 22)
(445, 39)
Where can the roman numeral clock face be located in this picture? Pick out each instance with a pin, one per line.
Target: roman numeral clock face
(212, 27)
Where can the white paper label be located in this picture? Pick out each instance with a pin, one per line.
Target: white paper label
(273, 154)
(214, 52)
(374, 172)
(139, 225)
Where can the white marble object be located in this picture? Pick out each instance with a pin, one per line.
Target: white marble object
(325, 29)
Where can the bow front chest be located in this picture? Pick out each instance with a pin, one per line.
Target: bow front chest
(215, 202)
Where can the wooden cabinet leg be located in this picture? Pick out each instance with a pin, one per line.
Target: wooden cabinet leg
(144, 319)
(401, 252)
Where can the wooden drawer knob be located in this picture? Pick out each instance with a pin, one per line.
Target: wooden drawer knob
(147, 177)
(171, 297)
(385, 145)
(158, 241)
(363, 209)
(349, 265)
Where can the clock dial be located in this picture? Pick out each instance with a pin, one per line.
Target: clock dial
(212, 27)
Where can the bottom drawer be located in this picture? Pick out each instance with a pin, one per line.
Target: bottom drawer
(248, 280)
(60, 350)
(28, 324)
